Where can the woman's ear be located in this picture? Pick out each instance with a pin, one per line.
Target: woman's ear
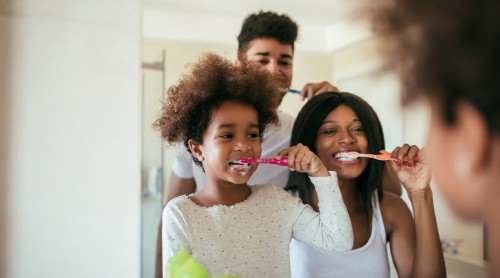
(473, 136)
(195, 149)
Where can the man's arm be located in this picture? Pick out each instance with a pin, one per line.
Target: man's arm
(179, 186)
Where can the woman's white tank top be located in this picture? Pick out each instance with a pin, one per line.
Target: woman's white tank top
(368, 261)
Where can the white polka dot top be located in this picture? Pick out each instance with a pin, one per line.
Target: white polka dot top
(252, 238)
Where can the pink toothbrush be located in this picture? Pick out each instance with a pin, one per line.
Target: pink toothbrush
(382, 156)
(248, 160)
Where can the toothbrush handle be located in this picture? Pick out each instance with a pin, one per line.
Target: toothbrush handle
(288, 90)
(282, 162)
(385, 157)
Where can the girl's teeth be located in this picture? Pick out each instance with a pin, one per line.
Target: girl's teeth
(242, 169)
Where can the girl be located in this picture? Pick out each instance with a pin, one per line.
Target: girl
(331, 124)
(220, 113)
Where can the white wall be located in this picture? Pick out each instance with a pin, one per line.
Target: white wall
(69, 138)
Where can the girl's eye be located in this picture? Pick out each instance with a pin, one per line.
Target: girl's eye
(358, 129)
(227, 135)
(253, 135)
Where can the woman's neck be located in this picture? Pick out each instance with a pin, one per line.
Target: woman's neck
(350, 194)
(221, 193)
(348, 187)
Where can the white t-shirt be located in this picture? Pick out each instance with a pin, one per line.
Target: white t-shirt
(252, 238)
(275, 139)
(369, 260)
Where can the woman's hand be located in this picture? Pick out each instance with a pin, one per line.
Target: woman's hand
(303, 160)
(412, 173)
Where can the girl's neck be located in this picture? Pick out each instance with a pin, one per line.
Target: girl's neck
(221, 193)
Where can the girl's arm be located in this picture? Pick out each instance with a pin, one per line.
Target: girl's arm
(174, 233)
(427, 259)
(329, 229)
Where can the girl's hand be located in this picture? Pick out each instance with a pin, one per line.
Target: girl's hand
(414, 175)
(303, 160)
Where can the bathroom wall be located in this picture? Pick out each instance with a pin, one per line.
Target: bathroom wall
(69, 138)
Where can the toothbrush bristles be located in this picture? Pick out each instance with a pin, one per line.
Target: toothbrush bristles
(352, 154)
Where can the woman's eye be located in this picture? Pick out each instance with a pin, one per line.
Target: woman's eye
(329, 131)
(358, 129)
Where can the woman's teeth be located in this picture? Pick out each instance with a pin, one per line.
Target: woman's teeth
(343, 157)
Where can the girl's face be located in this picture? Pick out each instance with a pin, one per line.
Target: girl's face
(342, 131)
(232, 133)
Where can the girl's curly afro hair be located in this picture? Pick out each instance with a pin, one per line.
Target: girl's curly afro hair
(187, 111)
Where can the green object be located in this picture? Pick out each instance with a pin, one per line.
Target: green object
(176, 262)
(183, 265)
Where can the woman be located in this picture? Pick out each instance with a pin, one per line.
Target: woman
(332, 124)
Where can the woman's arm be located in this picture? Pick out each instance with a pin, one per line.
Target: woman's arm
(428, 260)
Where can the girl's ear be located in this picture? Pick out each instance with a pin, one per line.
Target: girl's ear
(195, 148)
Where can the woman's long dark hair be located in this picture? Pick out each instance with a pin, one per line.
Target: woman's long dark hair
(305, 131)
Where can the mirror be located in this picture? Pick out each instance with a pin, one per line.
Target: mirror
(153, 86)
(329, 48)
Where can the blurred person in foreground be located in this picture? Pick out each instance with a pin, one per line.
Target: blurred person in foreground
(447, 53)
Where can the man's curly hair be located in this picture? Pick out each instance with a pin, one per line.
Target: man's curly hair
(446, 50)
(187, 111)
(266, 25)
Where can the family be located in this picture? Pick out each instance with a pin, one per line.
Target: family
(328, 214)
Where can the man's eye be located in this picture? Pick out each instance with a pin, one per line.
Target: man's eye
(284, 63)
(263, 62)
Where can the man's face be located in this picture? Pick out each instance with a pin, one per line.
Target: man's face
(275, 57)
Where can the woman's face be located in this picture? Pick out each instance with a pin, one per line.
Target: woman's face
(342, 131)
(232, 133)
(445, 154)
